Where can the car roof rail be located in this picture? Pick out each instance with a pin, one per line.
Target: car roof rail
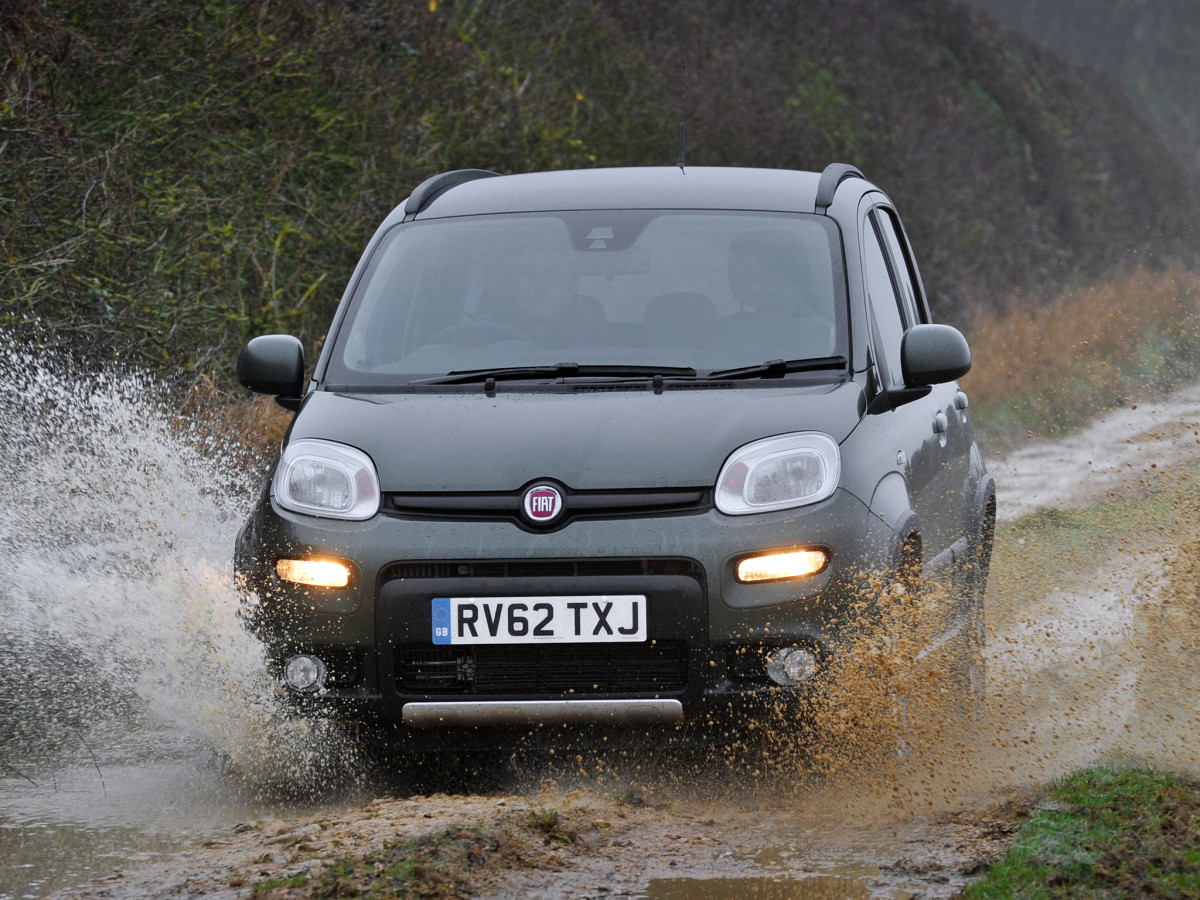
(834, 175)
(432, 188)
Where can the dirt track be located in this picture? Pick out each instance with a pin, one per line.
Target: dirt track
(615, 849)
(1095, 668)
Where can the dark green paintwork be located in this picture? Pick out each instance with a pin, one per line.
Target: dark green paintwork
(589, 440)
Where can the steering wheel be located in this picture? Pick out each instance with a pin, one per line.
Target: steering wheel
(477, 334)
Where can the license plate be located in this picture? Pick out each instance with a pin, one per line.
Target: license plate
(607, 618)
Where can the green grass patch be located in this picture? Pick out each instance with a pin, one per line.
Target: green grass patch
(1105, 832)
(267, 886)
(433, 866)
(548, 823)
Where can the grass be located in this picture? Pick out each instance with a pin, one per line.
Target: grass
(432, 866)
(1105, 832)
(255, 422)
(550, 826)
(178, 178)
(449, 863)
(265, 887)
(452, 862)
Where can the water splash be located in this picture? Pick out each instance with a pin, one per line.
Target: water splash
(117, 606)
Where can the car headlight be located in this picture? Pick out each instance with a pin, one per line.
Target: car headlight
(321, 478)
(778, 473)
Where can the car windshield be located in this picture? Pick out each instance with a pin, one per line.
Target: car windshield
(691, 292)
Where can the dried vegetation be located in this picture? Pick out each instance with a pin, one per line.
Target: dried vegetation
(1044, 368)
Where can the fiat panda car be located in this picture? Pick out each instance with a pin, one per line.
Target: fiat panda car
(611, 449)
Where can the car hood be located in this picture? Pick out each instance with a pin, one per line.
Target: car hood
(587, 440)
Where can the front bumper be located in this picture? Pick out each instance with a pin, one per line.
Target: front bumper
(496, 713)
(706, 632)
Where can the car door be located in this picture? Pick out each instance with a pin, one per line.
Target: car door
(950, 483)
(921, 426)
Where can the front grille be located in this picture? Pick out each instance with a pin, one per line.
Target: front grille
(507, 505)
(659, 667)
(571, 568)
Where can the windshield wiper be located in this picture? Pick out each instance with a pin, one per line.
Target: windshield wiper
(777, 368)
(558, 370)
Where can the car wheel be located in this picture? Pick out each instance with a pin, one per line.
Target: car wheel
(906, 583)
(972, 669)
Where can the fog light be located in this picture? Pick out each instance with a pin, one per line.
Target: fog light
(791, 666)
(304, 673)
(776, 566)
(317, 572)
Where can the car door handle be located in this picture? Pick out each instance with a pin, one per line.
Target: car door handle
(961, 403)
(941, 425)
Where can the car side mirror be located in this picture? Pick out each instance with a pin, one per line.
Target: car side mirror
(273, 364)
(934, 354)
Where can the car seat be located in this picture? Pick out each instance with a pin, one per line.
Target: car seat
(678, 320)
(787, 312)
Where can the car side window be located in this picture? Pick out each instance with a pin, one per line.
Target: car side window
(885, 305)
(902, 265)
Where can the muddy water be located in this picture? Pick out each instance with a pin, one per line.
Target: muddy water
(135, 720)
(110, 807)
(819, 887)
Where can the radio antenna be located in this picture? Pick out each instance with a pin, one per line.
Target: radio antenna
(682, 110)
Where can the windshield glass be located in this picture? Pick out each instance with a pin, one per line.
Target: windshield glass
(700, 290)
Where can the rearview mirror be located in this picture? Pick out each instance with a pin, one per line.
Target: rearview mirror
(273, 364)
(933, 354)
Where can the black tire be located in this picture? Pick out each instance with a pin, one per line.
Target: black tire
(973, 662)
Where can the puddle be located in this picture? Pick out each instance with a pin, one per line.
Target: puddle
(82, 855)
(91, 816)
(818, 887)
